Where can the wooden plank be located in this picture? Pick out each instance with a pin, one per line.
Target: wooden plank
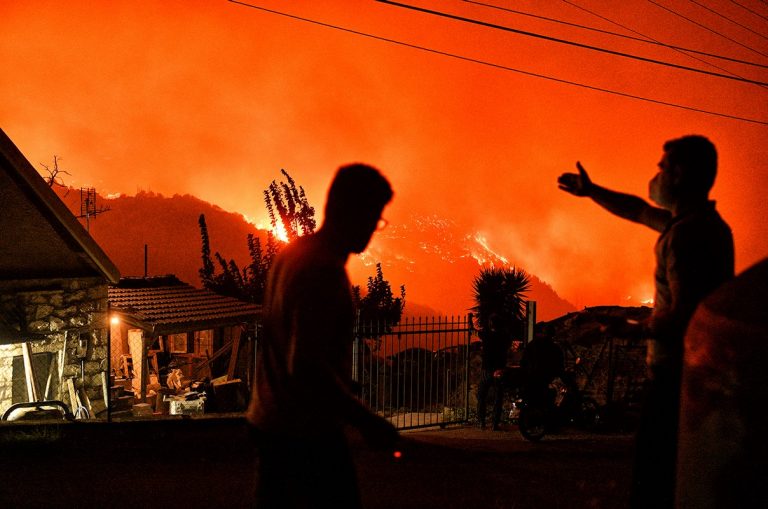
(62, 357)
(85, 401)
(49, 382)
(233, 357)
(105, 388)
(139, 356)
(206, 363)
(74, 401)
(29, 373)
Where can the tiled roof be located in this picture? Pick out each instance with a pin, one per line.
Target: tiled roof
(178, 308)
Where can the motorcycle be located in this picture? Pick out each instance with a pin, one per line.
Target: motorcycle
(542, 411)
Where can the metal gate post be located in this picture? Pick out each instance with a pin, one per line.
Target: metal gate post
(466, 367)
(356, 349)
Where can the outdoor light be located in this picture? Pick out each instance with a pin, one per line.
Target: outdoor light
(114, 320)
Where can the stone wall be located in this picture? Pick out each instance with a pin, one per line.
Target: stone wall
(66, 318)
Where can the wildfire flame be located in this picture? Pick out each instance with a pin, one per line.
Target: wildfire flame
(279, 232)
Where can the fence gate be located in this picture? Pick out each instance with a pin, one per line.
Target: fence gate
(415, 374)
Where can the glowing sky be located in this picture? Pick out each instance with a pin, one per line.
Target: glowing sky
(212, 98)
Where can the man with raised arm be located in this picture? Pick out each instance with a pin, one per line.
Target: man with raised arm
(694, 255)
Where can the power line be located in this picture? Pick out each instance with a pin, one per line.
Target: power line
(554, 20)
(728, 19)
(650, 39)
(749, 10)
(706, 28)
(569, 43)
(499, 66)
(643, 38)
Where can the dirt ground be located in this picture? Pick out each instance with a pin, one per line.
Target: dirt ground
(211, 464)
(469, 468)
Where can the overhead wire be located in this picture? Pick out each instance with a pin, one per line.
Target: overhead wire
(654, 2)
(643, 38)
(651, 39)
(499, 66)
(568, 42)
(727, 18)
(553, 20)
(749, 10)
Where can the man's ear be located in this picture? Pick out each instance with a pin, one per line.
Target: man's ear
(678, 176)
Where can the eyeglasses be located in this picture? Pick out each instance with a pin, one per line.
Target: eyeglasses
(381, 224)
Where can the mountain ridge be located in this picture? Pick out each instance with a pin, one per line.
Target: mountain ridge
(434, 258)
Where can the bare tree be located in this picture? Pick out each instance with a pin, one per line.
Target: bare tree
(55, 175)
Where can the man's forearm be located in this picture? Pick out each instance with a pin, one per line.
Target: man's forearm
(630, 207)
(623, 205)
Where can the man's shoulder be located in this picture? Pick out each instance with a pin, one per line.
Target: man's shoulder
(307, 258)
(302, 251)
(706, 222)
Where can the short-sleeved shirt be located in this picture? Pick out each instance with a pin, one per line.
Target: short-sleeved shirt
(694, 256)
(305, 348)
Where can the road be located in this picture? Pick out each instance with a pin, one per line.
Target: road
(470, 468)
(210, 463)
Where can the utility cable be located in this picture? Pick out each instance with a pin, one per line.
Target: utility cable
(652, 40)
(706, 28)
(569, 43)
(727, 18)
(554, 20)
(643, 38)
(499, 66)
(749, 10)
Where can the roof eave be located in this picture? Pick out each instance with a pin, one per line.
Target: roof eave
(60, 213)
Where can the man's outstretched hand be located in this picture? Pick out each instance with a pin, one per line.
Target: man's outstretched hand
(577, 184)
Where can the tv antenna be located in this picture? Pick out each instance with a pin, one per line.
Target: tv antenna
(88, 207)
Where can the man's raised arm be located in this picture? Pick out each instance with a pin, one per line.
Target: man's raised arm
(623, 205)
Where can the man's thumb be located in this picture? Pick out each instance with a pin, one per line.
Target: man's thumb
(582, 172)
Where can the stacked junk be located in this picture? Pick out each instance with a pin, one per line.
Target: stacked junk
(170, 392)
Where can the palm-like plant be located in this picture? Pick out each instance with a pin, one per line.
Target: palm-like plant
(500, 298)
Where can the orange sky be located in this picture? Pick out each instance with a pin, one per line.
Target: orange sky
(212, 98)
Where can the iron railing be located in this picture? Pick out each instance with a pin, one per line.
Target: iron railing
(415, 373)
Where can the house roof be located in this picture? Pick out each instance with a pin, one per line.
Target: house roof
(40, 237)
(165, 305)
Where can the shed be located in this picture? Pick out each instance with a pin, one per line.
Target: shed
(53, 295)
(160, 323)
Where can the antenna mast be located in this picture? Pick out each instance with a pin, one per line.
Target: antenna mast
(88, 205)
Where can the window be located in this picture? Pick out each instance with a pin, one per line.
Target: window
(204, 342)
(177, 343)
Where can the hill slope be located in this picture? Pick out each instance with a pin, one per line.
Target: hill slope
(433, 257)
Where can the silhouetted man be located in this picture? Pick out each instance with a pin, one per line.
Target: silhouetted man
(301, 396)
(541, 363)
(694, 255)
(496, 338)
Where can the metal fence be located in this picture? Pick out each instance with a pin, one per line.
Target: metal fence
(415, 373)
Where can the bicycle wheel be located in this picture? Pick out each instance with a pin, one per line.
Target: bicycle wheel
(531, 423)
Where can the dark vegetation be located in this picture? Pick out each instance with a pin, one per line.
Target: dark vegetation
(289, 211)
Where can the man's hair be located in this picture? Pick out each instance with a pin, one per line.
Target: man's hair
(357, 188)
(697, 157)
